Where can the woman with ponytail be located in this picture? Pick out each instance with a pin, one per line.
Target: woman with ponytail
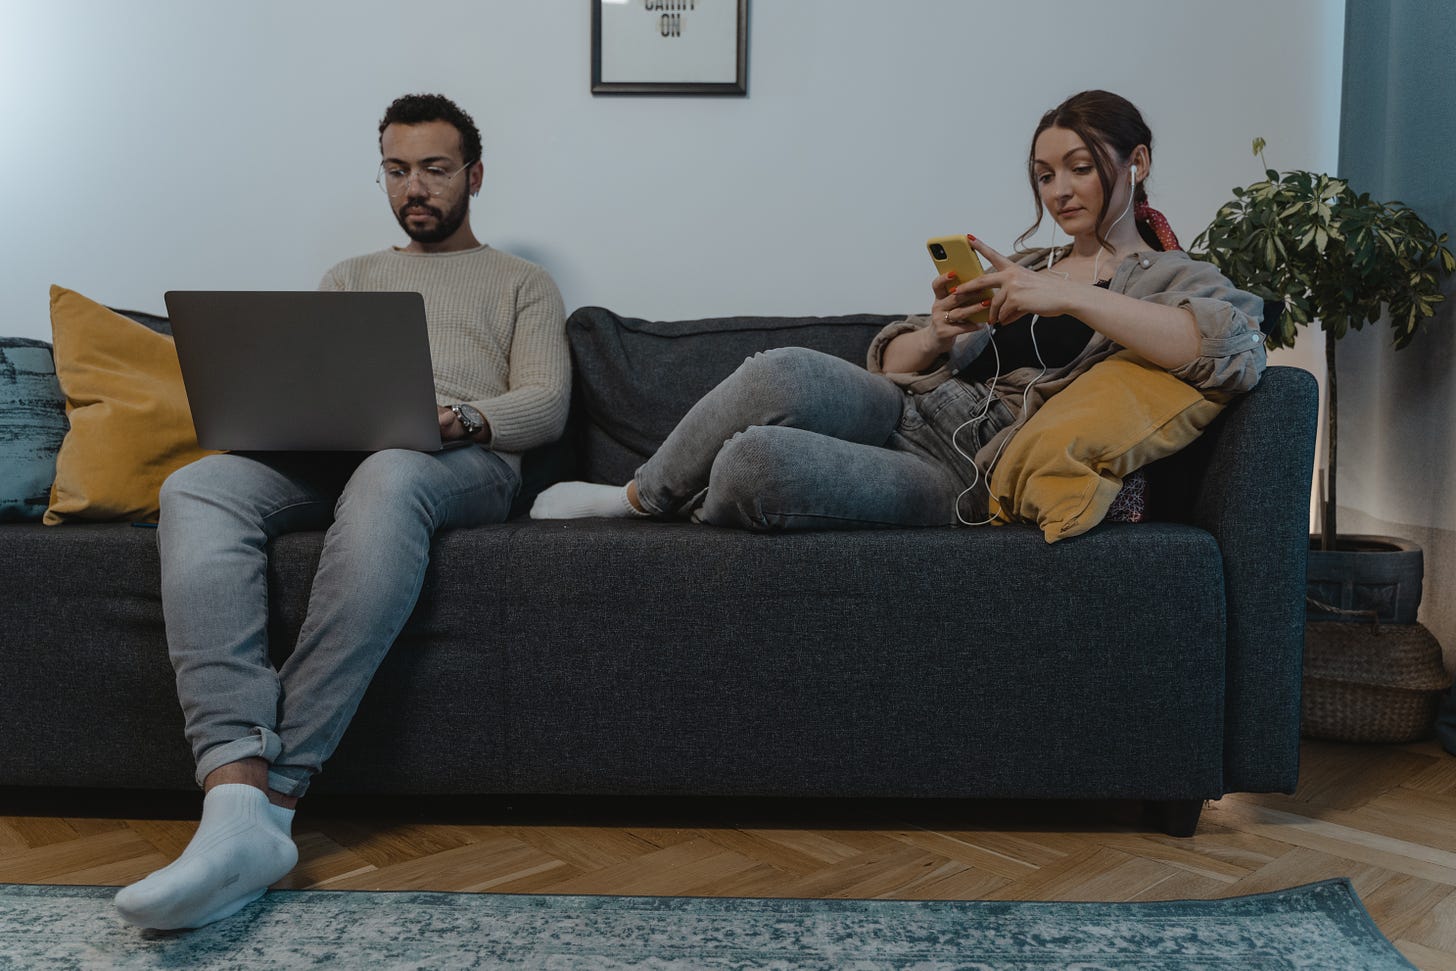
(798, 439)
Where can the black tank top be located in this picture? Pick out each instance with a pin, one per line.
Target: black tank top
(1060, 339)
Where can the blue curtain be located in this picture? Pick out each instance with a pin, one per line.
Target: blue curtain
(1398, 410)
(1398, 103)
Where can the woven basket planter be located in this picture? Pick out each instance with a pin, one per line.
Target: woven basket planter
(1364, 683)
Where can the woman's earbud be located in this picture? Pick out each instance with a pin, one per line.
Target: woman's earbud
(1132, 177)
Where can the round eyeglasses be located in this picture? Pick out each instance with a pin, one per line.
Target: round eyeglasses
(394, 180)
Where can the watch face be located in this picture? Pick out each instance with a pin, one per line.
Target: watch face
(470, 417)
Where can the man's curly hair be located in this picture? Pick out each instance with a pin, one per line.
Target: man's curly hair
(416, 109)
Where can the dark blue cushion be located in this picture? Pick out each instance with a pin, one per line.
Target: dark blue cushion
(161, 325)
(32, 424)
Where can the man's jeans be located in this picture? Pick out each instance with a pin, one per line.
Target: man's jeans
(218, 515)
(798, 439)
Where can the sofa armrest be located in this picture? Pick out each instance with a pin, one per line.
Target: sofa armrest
(1253, 496)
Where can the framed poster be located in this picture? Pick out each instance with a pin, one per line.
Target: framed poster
(669, 47)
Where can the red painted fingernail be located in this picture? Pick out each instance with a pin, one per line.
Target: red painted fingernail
(985, 303)
(970, 237)
(951, 275)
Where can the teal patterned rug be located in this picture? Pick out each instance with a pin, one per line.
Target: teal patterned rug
(1322, 925)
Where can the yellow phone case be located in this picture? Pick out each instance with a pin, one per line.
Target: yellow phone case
(953, 254)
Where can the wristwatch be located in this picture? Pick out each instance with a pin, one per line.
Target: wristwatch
(470, 419)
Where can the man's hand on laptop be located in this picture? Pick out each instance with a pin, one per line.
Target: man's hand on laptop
(450, 427)
(453, 428)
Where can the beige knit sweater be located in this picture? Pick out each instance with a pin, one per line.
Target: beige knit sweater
(497, 335)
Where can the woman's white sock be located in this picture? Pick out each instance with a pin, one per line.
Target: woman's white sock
(577, 500)
(239, 849)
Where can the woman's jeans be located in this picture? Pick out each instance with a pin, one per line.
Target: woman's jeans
(798, 439)
(380, 512)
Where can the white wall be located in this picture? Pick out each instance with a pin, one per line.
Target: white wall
(167, 144)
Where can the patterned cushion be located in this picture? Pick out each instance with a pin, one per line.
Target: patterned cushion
(1131, 504)
(32, 424)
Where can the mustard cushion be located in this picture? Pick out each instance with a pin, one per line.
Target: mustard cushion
(1062, 470)
(130, 425)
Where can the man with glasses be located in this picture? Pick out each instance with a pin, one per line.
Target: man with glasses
(502, 380)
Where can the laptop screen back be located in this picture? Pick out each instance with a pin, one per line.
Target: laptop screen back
(306, 370)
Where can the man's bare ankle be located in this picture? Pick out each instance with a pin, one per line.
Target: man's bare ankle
(279, 799)
(249, 772)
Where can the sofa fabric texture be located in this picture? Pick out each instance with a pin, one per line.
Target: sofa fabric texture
(1158, 660)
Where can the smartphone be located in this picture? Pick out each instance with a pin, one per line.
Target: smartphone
(953, 254)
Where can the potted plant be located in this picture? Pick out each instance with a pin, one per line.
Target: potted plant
(1307, 243)
(1316, 250)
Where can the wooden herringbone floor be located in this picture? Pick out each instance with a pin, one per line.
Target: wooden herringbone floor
(1385, 816)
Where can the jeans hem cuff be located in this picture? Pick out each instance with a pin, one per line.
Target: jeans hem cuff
(649, 507)
(287, 785)
(260, 743)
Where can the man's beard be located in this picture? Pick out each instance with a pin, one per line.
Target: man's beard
(445, 222)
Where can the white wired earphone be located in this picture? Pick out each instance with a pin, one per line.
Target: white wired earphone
(1025, 395)
(1131, 192)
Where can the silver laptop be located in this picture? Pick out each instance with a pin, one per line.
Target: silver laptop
(306, 369)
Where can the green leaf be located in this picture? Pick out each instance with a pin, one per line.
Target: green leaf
(1275, 239)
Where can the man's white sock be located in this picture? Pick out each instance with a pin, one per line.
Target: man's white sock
(576, 500)
(282, 818)
(239, 849)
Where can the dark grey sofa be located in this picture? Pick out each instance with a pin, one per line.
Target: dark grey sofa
(1158, 661)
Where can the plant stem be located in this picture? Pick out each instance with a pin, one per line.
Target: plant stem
(1328, 533)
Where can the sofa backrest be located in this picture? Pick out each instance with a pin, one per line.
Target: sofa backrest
(633, 379)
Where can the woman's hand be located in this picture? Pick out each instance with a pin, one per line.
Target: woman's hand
(1166, 336)
(1019, 291)
(916, 350)
(950, 314)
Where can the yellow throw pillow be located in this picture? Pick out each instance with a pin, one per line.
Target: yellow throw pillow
(130, 425)
(1065, 466)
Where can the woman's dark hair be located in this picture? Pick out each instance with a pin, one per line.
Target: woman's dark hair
(416, 109)
(1108, 124)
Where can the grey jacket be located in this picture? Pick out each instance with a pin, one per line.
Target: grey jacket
(1230, 360)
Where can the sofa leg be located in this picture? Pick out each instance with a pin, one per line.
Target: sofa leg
(1176, 817)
